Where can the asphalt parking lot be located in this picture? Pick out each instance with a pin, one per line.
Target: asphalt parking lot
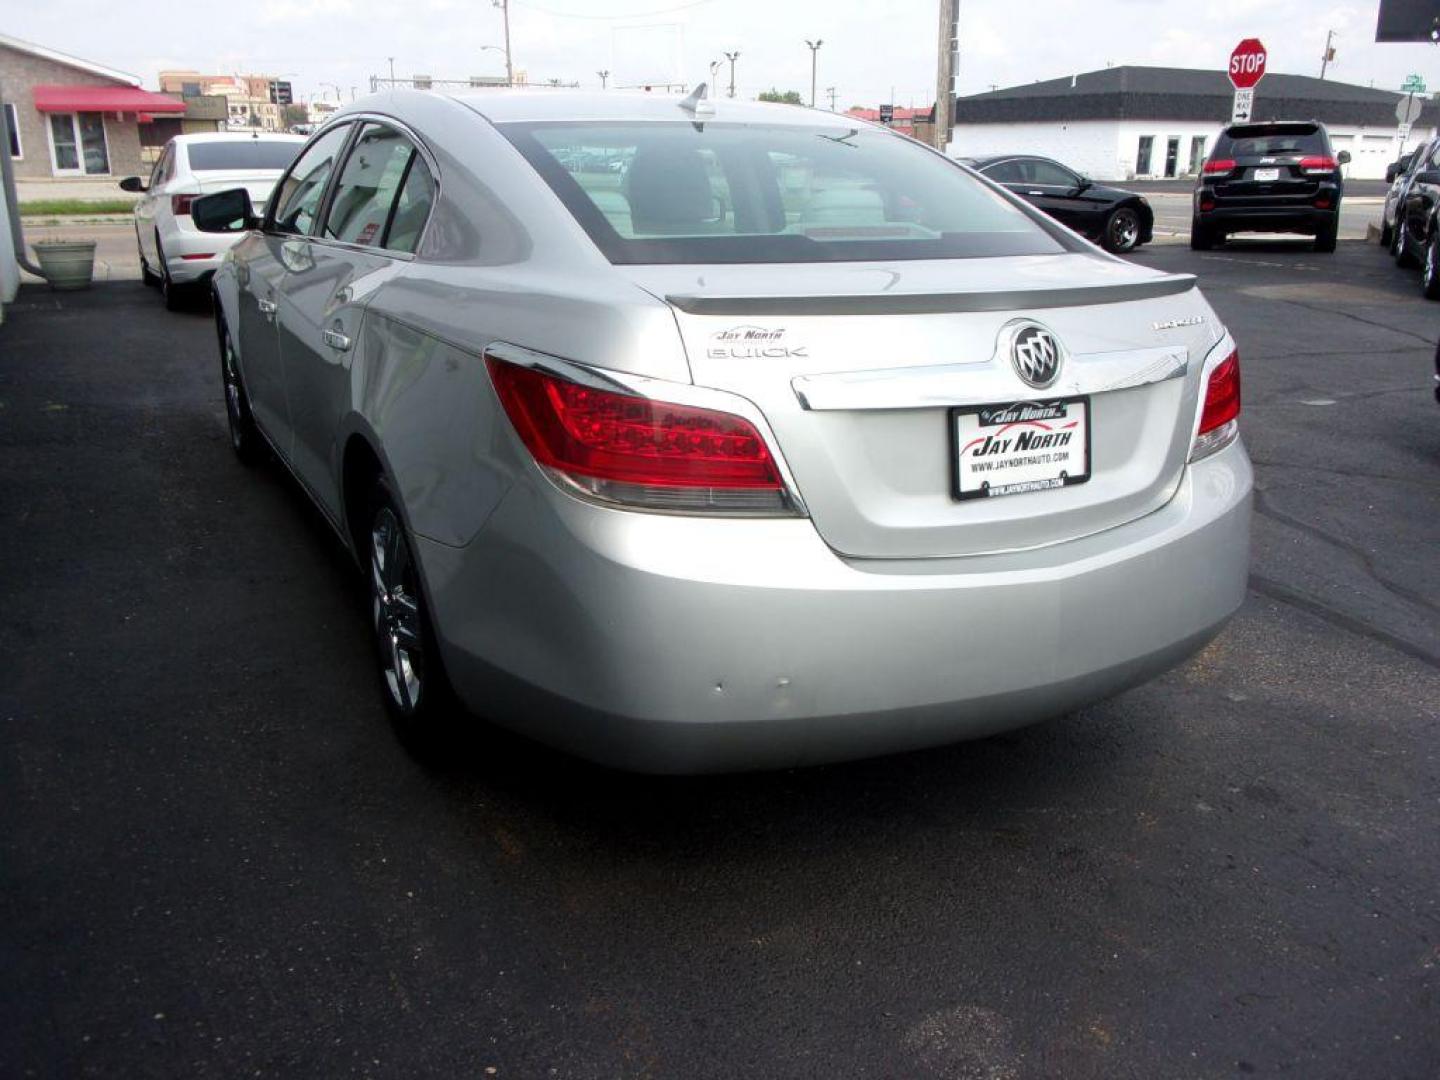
(217, 861)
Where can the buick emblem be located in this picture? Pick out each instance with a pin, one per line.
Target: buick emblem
(1036, 355)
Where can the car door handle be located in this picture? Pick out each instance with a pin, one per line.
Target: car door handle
(1034, 193)
(267, 307)
(336, 340)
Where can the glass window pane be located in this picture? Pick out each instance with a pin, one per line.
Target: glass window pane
(92, 143)
(13, 126)
(1006, 172)
(669, 193)
(242, 154)
(368, 185)
(298, 197)
(62, 133)
(1050, 174)
(412, 209)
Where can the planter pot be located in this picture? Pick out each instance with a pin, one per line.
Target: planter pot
(68, 264)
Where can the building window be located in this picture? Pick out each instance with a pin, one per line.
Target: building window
(12, 123)
(189, 89)
(1142, 158)
(1197, 152)
(77, 144)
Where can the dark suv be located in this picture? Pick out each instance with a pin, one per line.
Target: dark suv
(1275, 176)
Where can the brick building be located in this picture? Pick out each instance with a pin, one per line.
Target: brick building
(71, 119)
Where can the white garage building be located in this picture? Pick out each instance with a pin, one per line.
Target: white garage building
(1124, 123)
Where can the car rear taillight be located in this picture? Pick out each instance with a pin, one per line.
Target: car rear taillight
(1317, 166)
(637, 451)
(1219, 408)
(180, 204)
(1219, 165)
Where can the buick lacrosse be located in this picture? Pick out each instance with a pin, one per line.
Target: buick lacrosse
(693, 436)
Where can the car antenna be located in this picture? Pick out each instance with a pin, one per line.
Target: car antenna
(697, 105)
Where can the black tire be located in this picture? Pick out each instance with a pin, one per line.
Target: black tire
(176, 297)
(245, 438)
(1201, 238)
(1325, 237)
(1386, 233)
(1400, 246)
(1122, 230)
(412, 679)
(1430, 268)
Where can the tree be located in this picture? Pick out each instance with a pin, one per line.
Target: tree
(294, 114)
(789, 97)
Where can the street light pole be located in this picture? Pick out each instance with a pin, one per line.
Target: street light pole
(814, 52)
(732, 57)
(831, 91)
(392, 71)
(1329, 53)
(604, 79)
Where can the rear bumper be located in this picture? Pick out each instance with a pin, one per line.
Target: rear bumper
(678, 645)
(1303, 219)
(192, 256)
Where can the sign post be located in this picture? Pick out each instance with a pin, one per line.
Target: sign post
(1247, 68)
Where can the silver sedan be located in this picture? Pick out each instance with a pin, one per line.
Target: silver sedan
(695, 436)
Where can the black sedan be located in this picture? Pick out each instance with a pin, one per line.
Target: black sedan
(1119, 220)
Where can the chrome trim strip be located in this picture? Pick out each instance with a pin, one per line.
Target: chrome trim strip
(987, 381)
(1018, 300)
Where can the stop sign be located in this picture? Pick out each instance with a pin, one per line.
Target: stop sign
(1247, 64)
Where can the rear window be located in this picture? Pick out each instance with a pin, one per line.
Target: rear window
(1267, 140)
(241, 155)
(752, 193)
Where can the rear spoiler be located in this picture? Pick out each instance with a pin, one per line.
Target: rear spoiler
(931, 303)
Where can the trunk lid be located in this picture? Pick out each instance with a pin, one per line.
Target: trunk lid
(856, 367)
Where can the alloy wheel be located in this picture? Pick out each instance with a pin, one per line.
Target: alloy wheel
(396, 595)
(1124, 230)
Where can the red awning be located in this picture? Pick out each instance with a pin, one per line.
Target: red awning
(129, 99)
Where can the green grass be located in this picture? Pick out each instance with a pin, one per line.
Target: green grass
(74, 207)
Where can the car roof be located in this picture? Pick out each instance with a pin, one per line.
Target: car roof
(235, 136)
(991, 159)
(502, 106)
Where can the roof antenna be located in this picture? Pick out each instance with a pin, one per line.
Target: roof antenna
(697, 105)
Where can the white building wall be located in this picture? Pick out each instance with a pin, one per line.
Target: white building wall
(1109, 150)
(1087, 146)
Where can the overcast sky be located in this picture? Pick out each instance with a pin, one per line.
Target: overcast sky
(870, 46)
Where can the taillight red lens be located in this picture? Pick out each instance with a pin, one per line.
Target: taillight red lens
(180, 204)
(1222, 394)
(1318, 165)
(1219, 165)
(598, 434)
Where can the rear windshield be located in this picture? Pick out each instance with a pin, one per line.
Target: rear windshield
(242, 155)
(653, 192)
(1266, 140)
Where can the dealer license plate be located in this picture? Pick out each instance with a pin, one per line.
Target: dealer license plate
(1023, 446)
(1266, 175)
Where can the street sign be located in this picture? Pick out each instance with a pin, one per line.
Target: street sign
(1413, 84)
(1243, 107)
(1247, 64)
(1407, 110)
(887, 114)
(280, 94)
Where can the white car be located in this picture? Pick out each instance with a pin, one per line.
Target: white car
(173, 253)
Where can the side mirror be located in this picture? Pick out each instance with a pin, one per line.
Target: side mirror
(1391, 171)
(133, 183)
(1343, 157)
(224, 212)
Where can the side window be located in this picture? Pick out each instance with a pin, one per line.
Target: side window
(297, 197)
(157, 175)
(1051, 174)
(369, 183)
(412, 209)
(1435, 157)
(1006, 172)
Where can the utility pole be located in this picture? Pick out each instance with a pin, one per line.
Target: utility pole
(814, 52)
(1329, 53)
(604, 79)
(947, 61)
(732, 57)
(504, 6)
(831, 91)
(392, 72)
(715, 66)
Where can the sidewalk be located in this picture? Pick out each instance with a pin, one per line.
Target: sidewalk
(85, 190)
